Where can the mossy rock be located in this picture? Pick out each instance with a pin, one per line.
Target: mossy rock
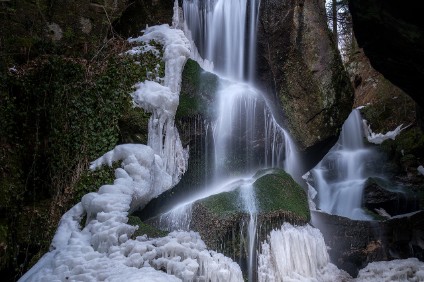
(198, 90)
(221, 218)
(277, 191)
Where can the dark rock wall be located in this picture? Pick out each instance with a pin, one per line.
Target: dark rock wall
(353, 244)
(392, 36)
(300, 64)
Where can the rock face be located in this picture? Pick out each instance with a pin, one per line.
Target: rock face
(353, 244)
(299, 62)
(221, 219)
(38, 27)
(140, 13)
(392, 36)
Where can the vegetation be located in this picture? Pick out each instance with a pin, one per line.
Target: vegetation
(57, 114)
(275, 190)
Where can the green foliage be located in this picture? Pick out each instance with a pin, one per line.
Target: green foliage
(91, 181)
(224, 204)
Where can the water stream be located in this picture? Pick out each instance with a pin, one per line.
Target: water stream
(340, 177)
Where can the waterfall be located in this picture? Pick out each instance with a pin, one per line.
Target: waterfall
(221, 29)
(246, 135)
(339, 178)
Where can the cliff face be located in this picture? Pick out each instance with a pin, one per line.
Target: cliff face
(392, 36)
(299, 62)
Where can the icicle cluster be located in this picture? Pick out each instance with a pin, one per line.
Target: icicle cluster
(162, 100)
(296, 254)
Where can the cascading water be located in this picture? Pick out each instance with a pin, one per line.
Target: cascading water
(225, 34)
(339, 178)
(246, 135)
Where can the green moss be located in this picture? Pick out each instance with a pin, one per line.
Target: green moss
(145, 229)
(57, 114)
(275, 191)
(278, 191)
(91, 181)
(225, 204)
(197, 91)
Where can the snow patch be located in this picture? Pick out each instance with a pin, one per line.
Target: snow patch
(162, 100)
(102, 248)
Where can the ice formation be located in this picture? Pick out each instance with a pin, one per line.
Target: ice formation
(297, 254)
(162, 100)
(378, 138)
(396, 270)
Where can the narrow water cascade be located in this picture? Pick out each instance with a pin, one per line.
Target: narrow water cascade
(340, 177)
(249, 203)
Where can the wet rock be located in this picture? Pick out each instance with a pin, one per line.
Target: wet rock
(394, 198)
(353, 244)
(298, 61)
(222, 220)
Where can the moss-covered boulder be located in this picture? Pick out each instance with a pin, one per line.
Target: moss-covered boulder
(198, 89)
(300, 63)
(222, 219)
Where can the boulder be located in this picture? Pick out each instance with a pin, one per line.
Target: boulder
(299, 62)
(222, 220)
(193, 120)
(31, 28)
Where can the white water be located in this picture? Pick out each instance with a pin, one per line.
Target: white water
(339, 178)
(221, 29)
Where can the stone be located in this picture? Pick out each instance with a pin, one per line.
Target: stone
(221, 219)
(394, 50)
(353, 243)
(299, 63)
(381, 194)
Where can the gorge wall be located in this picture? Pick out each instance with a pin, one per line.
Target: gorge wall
(299, 62)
